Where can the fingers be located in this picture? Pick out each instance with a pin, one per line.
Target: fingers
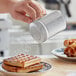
(43, 11)
(24, 7)
(20, 16)
(39, 10)
(30, 11)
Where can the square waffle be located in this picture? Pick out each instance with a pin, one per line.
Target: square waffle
(31, 68)
(22, 60)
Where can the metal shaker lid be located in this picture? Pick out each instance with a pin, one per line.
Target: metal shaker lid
(38, 31)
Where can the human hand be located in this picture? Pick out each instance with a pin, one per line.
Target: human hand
(27, 10)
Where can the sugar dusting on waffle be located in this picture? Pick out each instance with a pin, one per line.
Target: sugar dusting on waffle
(22, 58)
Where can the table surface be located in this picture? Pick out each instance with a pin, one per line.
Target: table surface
(59, 67)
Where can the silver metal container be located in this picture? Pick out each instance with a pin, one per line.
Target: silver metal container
(47, 26)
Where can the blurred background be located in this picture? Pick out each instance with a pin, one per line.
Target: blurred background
(15, 37)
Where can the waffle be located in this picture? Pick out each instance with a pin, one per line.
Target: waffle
(70, 51)
(69, 42)
(22, 60)
(31, 68)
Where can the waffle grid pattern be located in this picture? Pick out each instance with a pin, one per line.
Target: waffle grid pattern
(22, 58)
